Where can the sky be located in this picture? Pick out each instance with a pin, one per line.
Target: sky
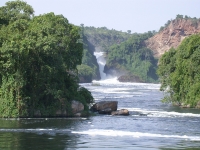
(136, 15)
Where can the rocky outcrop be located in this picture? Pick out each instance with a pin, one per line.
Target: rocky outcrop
(77, 110)
(77, 107)
(123, 112)
(108, 107)
(129, 78)
(172, 35)
(105, 107)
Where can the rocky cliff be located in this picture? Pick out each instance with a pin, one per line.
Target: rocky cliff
(172, 35)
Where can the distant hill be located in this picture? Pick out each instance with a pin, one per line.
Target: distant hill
(134, 57)
(102, 38)
(173, 34)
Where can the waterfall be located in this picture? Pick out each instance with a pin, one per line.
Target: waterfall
(101, 62)
(104, 78)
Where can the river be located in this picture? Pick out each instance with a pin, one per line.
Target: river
(151, 124)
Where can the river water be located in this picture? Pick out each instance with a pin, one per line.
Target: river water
(151, 124)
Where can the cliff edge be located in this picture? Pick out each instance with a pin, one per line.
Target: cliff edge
(172, 35)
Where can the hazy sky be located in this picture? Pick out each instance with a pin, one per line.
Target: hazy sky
(135, 15)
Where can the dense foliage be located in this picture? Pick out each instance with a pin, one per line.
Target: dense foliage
(89, 69)
(38, 62)
(134, 58)
(179, 73)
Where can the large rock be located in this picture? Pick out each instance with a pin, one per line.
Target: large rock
(76, 107)
(123, 112)
(105, 107)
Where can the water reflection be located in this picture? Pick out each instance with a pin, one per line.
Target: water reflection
(48, 134)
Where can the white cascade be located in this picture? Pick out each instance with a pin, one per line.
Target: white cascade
(104, 79)
(101, 62)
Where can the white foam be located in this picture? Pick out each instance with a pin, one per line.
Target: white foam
(157, 113)
(94, 132)
(112, 80)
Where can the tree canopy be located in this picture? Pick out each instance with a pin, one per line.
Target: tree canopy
(38, 61)
(179, 73)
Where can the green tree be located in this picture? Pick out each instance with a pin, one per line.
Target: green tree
(38, 63)
(179, 72)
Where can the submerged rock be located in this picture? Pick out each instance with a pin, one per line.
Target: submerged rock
(123, 112)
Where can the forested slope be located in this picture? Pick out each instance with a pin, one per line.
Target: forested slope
(102, 38)
(89, 69)
(132, 60)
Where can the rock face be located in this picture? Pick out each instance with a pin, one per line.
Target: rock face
(105, 107)
(77, 107)
(123, 112)
(172, 35)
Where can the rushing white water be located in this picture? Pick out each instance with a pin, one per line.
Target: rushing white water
(151, 124)
(96, 132)
(157, 113)
(101, 61)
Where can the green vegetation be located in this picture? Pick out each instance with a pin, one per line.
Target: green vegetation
(38, 63)
(125, 52)
(97, 39)
(179, 73)
(89, 69)
(134, 58)
(102, 38)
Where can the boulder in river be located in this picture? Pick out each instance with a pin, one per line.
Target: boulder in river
(129, 78)
(123, 112)
(105, 107)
